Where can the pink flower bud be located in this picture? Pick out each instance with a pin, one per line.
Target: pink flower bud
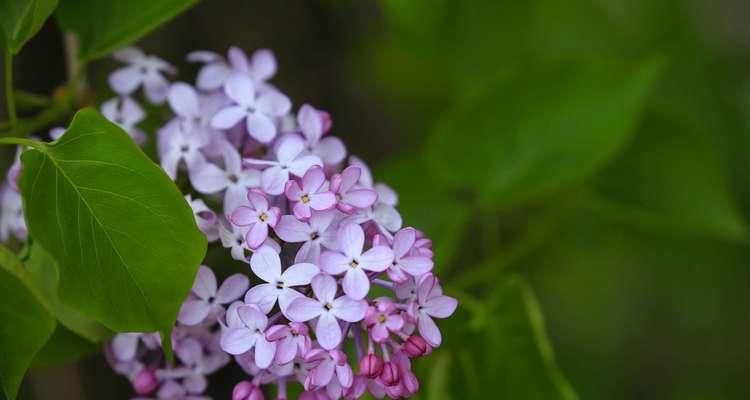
(145, 382)
(415, 346)
(245, 390)
(390, 375)
(371, 366)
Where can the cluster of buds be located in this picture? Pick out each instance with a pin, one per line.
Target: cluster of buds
(344, 295)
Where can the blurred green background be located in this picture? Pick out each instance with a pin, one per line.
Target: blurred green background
(581, 165)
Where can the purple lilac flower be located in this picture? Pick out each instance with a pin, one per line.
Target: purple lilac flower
(126, 113)
(266, 265)
(141, 70)
(257, 111)
(270, 185)
(352, 261)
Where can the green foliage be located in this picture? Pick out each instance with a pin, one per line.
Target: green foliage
(124, 238)
(26, 322)
(672, 178)
(505, 353)
(43, 270)
(20, 20)
(104, 26)
(541, 129)
(65, 347)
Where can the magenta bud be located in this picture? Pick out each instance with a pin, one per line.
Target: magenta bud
(145, 382)
(245, 390)
(371, 366)
(389, 376)
(416, 346)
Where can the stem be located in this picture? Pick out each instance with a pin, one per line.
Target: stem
(9, 97)
(22, 142)
(75, 69)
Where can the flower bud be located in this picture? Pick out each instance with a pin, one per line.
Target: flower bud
(371, 366)
(416, 346)
(390, 375)
(245, 390)
(145, 382)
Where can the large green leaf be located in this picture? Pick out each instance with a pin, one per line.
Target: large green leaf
(20, 20)
(43, 270)
(104, 26)
(540, 129)
(672, 177)
(123, 236)
(64, 347)
(26, 323)
(505, 354)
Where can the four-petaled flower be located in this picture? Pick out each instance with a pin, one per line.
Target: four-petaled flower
(206, 300)
(382, 318)
(141, 70)
(328, 309)
(266, 265)
(246, 331)
(351, 197)
(312, 195)
(126, 113)
(431, 303)
(353, 262)
(257, 218)
(312, 124)
(318, 230)
(405, 261)
(289, 159)
(257, 111)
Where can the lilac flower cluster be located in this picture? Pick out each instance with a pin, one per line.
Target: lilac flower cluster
(344, 296)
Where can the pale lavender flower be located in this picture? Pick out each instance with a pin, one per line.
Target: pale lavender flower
(313, 124)
(292, 340)
(290, 159)
(266, 265)
(126, 113)
(232, 177)
(141, 70)
(233, 238)
(318, 230)
(328, 309)
(248, 332)
(383, 318)
(217, 70)
(431, 303)
(258, 112)
(12, 222)
(352, 261)
(206, 300)
(205, 218)
(330, 365)
(176, 146)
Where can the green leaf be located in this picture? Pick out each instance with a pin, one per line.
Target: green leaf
(43, 269)
(26, 323)
(104, 26)
(507, 354)
(20, 20)
(122, 234)
(541, 129)
(672, 178)
(64, 347)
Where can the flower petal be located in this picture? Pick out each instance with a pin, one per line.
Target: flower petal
(204, 285)
(416, 265)
(324, 287)
(266, 264)
(232, 289)
(193, 312)
(273, 179)
(429, 330)
(237, 340)
(351, 240)
(356, 284)
(228, 117)
(403, 241)
(264, 352)
(299, 274)
(310, 123)
(333, 262)
(377, 259)
(348, 309)
(274, 104)
(331, 150)
(260, 127)
(292, 230)
(240, 89)
(183, 99)
(440, 306)
(208, 178)
(303, 309)
(125, 80)
(257, 234)
(328, 331)
(263, 295)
